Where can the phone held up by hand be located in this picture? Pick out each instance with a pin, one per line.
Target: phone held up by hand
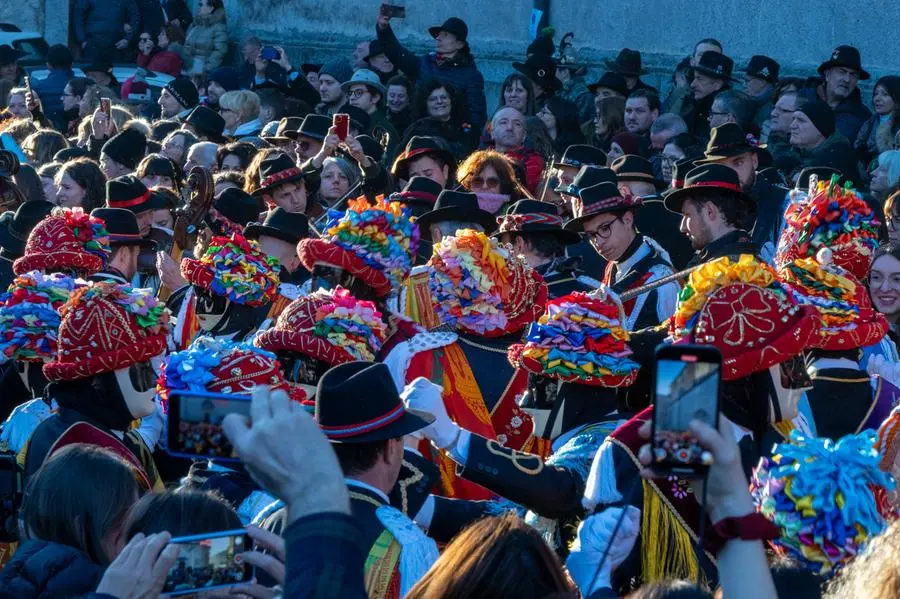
(270, 53)
(195, 424)
(341, 123)
(105, 106)
(207, 562)
(686, 387)
(396, 9)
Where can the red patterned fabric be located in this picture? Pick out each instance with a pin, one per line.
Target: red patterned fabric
(53, 245)
(241, 371)
(98, 334)
(312, 251)
(293, 332)
(526, 300)
(870, 327)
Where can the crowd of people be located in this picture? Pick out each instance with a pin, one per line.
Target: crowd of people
(444, 318)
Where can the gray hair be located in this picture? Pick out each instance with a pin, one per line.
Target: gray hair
(348, 169)
(738, 104)
(205, 150)
(448, 228)
(669, 121)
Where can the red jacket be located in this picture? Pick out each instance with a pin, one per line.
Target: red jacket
(532, 162)
(167, 62)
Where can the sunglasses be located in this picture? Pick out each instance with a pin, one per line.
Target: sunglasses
(485, 182)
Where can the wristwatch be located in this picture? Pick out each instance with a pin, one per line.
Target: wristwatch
(752, 527)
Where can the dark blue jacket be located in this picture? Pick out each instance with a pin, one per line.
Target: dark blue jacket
(45, 570)
(849, 116)
(460, 72)
(50, 89)
(324, 558)
(102, 22)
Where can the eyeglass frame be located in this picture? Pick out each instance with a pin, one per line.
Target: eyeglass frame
(607, 226)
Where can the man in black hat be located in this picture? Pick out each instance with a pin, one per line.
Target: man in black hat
(712, 74)
(535, 231)
(278, 236)
(14, 231)
(377, 60)
(425, 157)
(628, 64)
(610, 85)
(635, 177)
(730, 146)
(367, 437)
(178, 98)
(606, 218)
(9, 64)
(100, 70)
(714, 213)
(121, 154)
(760, 78)
(452, 211)
(451, 62)
(420, 195)
(817, 142)
(126, 242)
(282, 184)
(592, 263)
(311, 135)
(206, 124)
(841, 74)
(540, 69)
(129, 193)
(569, 165)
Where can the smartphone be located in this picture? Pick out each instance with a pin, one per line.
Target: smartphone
(195, 424)
(207, 562)
(341, 122)
(686, 387)
(28, 84)
(105, 105)
(270, 53)
(393, 10)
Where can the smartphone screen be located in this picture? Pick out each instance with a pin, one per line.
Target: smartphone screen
(686, 388)
(207, 562)
(104, 105)
(195, 424)
(394, 10)
(341, 122)
(270, 53)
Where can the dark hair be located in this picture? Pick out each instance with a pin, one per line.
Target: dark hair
(274, 99)
(612, 111)
(355, 458)
(794, 581)
(458, 110)
(29, 183)
(788, 85)
(709, 41)
(501, 163)
(59, 57)
(80, 85)
(501, 558)
(80, 495)
(42, 145)
(740, 106)
(530, 108)
(736, 213)
(403, 81)
(161, 128)
(891, 85)
(652, 98)
(89, 177)
(670, 589)
(245, 152)
(568, 125)
(544, 244)
(49, 170)
(690, 145)
(181, 512)
(235, 177)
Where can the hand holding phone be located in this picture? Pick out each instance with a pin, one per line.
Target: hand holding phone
(394, 9)
(208, 562)
(195, 424)
(341, 124)
(105, 106)
(270, 53)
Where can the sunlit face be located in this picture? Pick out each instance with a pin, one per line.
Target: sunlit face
(232, 118)
(16, 105)
(426, 166)
(173, 148)
(745, 166)
(516, 96)
(884, 285)
(398, 98)
(882, 101)
(290, 197)
(163, 218)
(364, 98)
(330, 89)
(804, 133)
(145, 221)
(214, 91)
(610, 234)
(783, 113)
(232, 162)
(334, 182)
(168, 104)
(695, 223)
(670, 155)
(718, 115)
(158, 181)
(703, 85)
(70, 101)
(841, 81)
(508, 128)
(112, 168)
(70, 193)
(486, 181)
(638, 116)
(439, 104)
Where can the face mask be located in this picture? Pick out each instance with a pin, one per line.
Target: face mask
(137, 384)
(32, 377)
(326, 276)
(211, 309)
(789, 381)
(492, 202)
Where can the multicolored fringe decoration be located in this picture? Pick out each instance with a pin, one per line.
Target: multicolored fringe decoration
(29, 316)
(236, 269)
(354, 325)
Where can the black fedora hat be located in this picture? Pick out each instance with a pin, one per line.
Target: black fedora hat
(540, 69)
(371, 147)
(310, 67)
(610, 80)
(123, 227)
(679, 171)
(453, 25)
(579, 155)
(376, 47)
(822, 173)
(763, 67)
(358, 402)
(287, 129)
(715, 64)
(534, 216)
(601, 198)
(280, 224)
(128, 192)
(729, 140)
(456, 205)
(237, 206)
(128, 147)
(420, 145)
(14, 232)
(705, 179)
(9, 55)
(419, 191)
(636, 168)
(847, 57)
(627, 63)
(207, 122)
(314, 126)
(275, 170)
(589, 176)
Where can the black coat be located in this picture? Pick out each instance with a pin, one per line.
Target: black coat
(653, 220)
(45, 570)
(100, 23)
(771, 201)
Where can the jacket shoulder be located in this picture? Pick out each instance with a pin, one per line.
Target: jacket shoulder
(44, 569)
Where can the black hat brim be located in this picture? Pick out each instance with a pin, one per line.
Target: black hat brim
(674, 199)
(565, 236)
(292, 179)
(714, 74)
(863, 74)
(618, 68)
(9, 243)
(549, 82)
(255, 231)
(143, 242)
(410, 422)
(401, 164)
(482, 217)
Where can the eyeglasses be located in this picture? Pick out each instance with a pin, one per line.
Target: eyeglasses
(485, 182)
(602, 232)
(357, 93)
(713, 113)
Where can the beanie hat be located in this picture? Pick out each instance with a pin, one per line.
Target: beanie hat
(236, 269)
(479, 286)
(338, 68)
(184, 91)
(375, 243)
(821, 115)
(228, 77)
(127, 192)
(29, 316)
(127, 147)
(68, 239)
(107, 327)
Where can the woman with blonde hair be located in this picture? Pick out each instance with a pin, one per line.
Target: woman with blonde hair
(885, 175)
(492, 176)
(240, 109)
(42, 146)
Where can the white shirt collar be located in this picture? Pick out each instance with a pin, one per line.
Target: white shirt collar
(623, 268)
(351, 482)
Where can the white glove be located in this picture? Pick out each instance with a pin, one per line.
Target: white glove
(425, 396)
(890, 371)
(594, 534)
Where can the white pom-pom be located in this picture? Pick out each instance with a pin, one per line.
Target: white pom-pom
(824, 256)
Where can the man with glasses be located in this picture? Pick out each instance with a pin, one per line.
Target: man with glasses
(365, 91)
(606, 218)
(778, 139)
